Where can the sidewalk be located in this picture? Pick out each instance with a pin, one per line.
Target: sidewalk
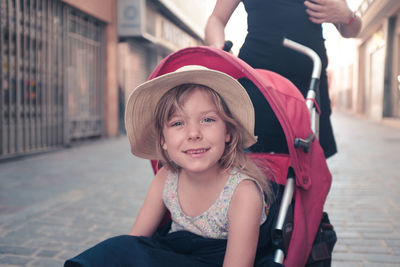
(364, 201)
(54, 205)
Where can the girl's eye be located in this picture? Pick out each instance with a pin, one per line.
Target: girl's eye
(176, 124)
(208, 120)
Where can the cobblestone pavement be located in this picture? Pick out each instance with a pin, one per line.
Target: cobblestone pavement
(364, 201)
(54, 205)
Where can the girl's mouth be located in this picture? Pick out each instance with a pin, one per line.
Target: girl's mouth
(196, 151)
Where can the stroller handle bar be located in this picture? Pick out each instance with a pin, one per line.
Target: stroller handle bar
(316, 73)
(312, 98)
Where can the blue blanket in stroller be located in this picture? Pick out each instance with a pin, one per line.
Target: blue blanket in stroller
(172, 249)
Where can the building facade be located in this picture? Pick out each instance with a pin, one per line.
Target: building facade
(57, 73)
(67, 66)
(369, 83)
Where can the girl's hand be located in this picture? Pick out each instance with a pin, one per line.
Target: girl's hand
(332, 11)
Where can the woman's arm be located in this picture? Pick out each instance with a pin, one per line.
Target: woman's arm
(153, 208)
(352, 29)
(215, 27)
(244, 217)
(336, 12)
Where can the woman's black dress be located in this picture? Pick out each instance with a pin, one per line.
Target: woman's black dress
(269, 21)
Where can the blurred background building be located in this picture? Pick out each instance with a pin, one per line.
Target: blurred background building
(149, 31)
(365, 72)
(67, 66)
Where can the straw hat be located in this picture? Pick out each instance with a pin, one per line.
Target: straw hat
(140, 108)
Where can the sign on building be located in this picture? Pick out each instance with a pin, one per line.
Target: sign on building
(131, 17)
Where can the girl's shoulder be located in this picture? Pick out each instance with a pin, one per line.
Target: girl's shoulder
(170, 181)
(248, 187)
(162, 175)
(242, 180)
(240, 183)
(236, 176)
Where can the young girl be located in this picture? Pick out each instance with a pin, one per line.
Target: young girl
(198, 122)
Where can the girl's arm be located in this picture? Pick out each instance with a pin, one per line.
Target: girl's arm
(153, 208)
(215, 27)
(244, 217)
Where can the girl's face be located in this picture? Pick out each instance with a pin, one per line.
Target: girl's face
(195, 135)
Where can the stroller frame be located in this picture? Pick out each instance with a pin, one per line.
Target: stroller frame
(311, 102)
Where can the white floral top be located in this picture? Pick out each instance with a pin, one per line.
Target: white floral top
(213, 223)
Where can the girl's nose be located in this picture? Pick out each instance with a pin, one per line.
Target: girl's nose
(194, 132)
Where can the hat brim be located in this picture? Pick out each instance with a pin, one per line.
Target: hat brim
(139, 112)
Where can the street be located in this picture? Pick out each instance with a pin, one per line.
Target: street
(55, 205)
(363, 203)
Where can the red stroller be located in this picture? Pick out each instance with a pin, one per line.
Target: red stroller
(301, 167)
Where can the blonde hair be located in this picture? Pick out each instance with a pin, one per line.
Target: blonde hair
(234, 155)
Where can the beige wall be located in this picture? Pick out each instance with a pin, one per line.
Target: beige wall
(106, 10)
(111, 79)
(101, 9)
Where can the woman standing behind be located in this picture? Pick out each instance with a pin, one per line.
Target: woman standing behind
(269, 21)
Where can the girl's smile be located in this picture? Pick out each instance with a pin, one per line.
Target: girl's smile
(196, 152)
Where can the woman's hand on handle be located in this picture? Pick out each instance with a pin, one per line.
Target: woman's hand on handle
(215, 27)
